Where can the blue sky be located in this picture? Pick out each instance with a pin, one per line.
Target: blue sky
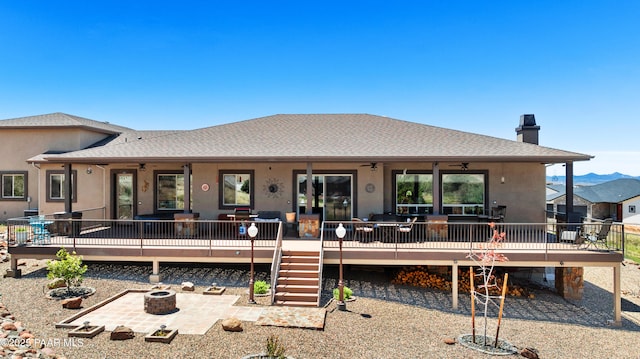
(468, 65)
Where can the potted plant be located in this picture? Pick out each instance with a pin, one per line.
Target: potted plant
(22, 235)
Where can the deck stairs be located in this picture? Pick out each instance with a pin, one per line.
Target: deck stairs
(299, 278)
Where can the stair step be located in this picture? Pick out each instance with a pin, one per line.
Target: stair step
(298, 273)
(299, 253)
(298, 297)
(291, 303)
(300, 259)
(298, 281)
(299, 266)
(297, 288)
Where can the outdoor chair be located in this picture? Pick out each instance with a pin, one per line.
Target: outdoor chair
(41, 234)
(598, 238)
(404, 229)
(361, 228)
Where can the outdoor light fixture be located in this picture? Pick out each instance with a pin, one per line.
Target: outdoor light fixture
(142, 167)
(341, 232)
(89, 170)
(252, 232)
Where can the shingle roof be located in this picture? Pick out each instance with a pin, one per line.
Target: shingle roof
(615, 191)
(610, 192)
(59, 119)
(324, 137)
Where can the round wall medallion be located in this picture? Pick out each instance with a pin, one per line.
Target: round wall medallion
(370, 187)
(205, 187)
(273, 188)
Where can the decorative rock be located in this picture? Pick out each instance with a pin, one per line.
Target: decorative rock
(4, 313)
(530, 353)
(232, 325)
(122, 333)
(26, 335)
(9, 326)
(188, 287)
(449, 341)
(56, 283)
(48, 351)
(72, 303)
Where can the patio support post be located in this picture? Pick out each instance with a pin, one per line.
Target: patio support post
(68, 188)
(454, 284)
(617, 300)
(309, 188)
(13, 270)
(187, 188)
(436, 188)
(155, 272)
(569, 188)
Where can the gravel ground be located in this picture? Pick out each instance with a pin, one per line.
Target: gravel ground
(385, 320)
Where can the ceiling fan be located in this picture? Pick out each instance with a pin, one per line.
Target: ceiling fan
(373, 165)
(463, 166)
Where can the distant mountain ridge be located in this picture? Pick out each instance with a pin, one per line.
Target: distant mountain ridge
(590, 178)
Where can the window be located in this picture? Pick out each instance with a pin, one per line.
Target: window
(169, 191)
(414, 193)
(236, 189)
(56, 186)
(14, 185)
(464, 193)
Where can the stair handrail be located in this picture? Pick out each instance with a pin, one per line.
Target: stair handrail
(321, 261)
(275, 263)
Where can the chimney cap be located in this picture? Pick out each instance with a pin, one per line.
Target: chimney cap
(528, 120)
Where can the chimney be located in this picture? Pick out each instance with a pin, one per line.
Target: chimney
(528, 130)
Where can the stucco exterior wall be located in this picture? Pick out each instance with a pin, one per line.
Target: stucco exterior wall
(629, 216)
(523, 189)
(18, 145)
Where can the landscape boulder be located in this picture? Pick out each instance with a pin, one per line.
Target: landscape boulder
(188, 287)
(122, 333)
(72, 303)
(232, 325)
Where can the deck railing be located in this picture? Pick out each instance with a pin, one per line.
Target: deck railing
(72, 232)
(450, 235)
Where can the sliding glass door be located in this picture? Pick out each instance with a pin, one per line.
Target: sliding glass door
(331, 196)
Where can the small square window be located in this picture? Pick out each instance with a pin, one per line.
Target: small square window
(13, 185)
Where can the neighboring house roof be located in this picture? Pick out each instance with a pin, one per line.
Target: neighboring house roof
(556, 187)
(58, 119)
(615, 191)
(322, 137)
(555, 195)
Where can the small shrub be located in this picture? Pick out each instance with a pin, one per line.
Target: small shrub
(275, 349)
(68, 267)
(346, 291)
(260, 287)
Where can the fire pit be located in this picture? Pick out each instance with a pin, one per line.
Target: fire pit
(160, 302)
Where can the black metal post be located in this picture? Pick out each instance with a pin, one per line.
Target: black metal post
(251, 300)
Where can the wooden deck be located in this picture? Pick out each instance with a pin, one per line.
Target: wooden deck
(526, 245)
